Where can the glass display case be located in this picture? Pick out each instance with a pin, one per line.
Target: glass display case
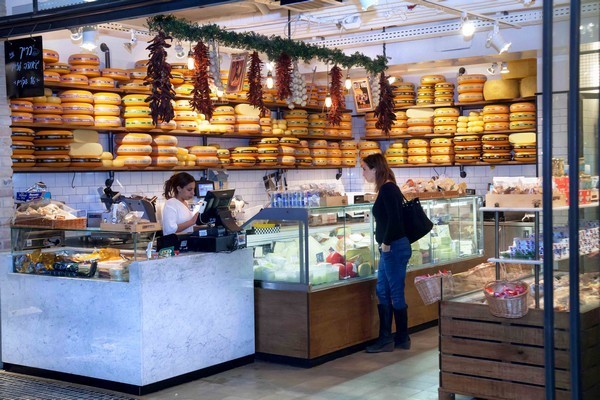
(321, 247)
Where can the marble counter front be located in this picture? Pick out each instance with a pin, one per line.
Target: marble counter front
(174, 316)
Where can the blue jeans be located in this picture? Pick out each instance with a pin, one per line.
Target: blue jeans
(391, 273)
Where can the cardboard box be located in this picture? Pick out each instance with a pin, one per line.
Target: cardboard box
(333, 201)
(139, 227)
(522, 200)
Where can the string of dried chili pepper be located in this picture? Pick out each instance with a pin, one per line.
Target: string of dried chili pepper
(385, 109)
(159, 78)
(334, 114)
(283, 75)
(201, 101)
(255, 92)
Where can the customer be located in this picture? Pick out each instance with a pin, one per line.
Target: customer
(177, 216)
(395, 252)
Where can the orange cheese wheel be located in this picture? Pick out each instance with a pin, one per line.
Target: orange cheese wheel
(53, 137)
(501, 148)
(467, 140)
(368, 145)
(444, 129)
(138, 73)
(520, 116)
(74, 79)
(470, 88)
(318, 152)
(107, 98)
(319, 161)
(495, 117)
(470, 97)
(495, 139)
(52, 161)
(22, 134)
(76, 96)
(134, 149)
(176, 78)
(290, 141)
(207, 161)
(49, 56)
(47, 108)
(266, 160)
(446, 112)
(271, 150)
(249, 119)
(290, 151)
(136, 112)
(335, 153)
(135, 100)
(467, 158)
(77, 108)
(525, 156)
(334, 161)
(432, 79)
(22, 160)
(368, 152)
(61, 68)
(21, 117)
(91, 71)
(139, 123)
(495, 126)
(516, 125)
(78, 119)
(185, 115)
(348, 144)
(102, 82)
(471, 78)
(132, 161)
(445, 120)
(459, 149)
(47, 119)
(495, 157)
(419, 130)
(22, 147)
(107, 121)
(496, 109)
(116, 73)
(134, 138)
(243, 160)
(264, 142)
(107, 110)
(51, 76)
(85, 59)
(52, 150)
(522, 107)
(421, 159)
(203, 150)
(21, 106)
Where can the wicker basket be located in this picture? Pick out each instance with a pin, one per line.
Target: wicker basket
(510, 307)
(430, 289)
(74, 223)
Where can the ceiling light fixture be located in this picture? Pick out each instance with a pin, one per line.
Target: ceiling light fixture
(468, 26)
(496, 40)
(270, 82)
(328, 100)
(350, 22)
(190, 61)
(89, 38)
(492, 69)
(504, 69)
(179, 50)
(348, 82)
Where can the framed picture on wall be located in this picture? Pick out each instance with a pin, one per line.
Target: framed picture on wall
(361, 90)
(237, 72)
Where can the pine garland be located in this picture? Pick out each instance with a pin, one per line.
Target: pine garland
(272, 46)
(255, 92)
(283, 76)
(334, 115)
(201, 101)
(159, 76)
(385, 109)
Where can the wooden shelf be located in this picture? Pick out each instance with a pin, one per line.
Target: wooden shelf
(467, 105)
(150, 168)
(67, 127)
(57, 85)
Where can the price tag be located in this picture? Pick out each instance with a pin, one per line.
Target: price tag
(24, 67)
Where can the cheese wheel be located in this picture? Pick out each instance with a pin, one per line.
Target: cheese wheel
(223, 153)
(138, 73)
(522, 107)
(374, 133)
(224, 110)
(21, 117)
(22, 147)
(471, 78)
(107, 98)
(334, 161)
(51, 76)
(78, 108)
(419, 122)
(164, 140)
(266, 160)
(495, 139)
(133, 149)
(418, 159)
(74, 79)
(134, 138)
(525, 157)
(417, 143)
(184, 89)
(85, 162)
(368, 152)
(470, 88)
(522, 138)
(117, 74)
(495, 126)
(419, 130)
(445, 121)
(22, 134)
(496, 109)
(102, 82)
(335, 153)
(495, 157)
(418, 151)
(223, 119)
(501, 148)
(318, 152)
(439, 142)
(467, 149)
(61, 68)
(245, 150)
(203, 151)
(137, 112)
(185, 115)
(290, 141)
(47, 119)
(347, 144)
(91, 71)
(52, 161)
(107, 110)
(368, 145)
(49, 56)
(500, 89)
(53, 137)
(446, 112)
(23, 160)
(466, 158)
(470, 97)
(272, 150)
(394, 152)
(295, 114)
(432, 79)
(132, 161)
(166, 126)
(495, 118)
(319, 161)
(467, 140)
(446, 150)
(134, 100)
(163, 161)
(516, 116)
(444, 129)
(21, 106)
(107, 121)
(78, 119)
(269, 141)
(248, 129)
(441, 159)
(51, 150)
(515, 125)
(86, 150)
(242, 160)
(84, 59)
(347, 162)
(139, 123)
(247, 119)
(76, 96)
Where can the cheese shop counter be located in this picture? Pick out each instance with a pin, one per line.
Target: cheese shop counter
(173, 317)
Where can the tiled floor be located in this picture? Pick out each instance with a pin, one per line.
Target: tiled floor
(406, 375)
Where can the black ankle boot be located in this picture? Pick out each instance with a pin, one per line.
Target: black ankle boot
(385, 342)
(401, 340)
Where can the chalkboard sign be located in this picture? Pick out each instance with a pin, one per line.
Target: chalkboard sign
(24, 67)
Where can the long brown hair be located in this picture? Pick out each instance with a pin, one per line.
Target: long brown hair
(383, 172)
(178, 180)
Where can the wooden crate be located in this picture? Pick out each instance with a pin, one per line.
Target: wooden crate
(139, 227)
(497, 358)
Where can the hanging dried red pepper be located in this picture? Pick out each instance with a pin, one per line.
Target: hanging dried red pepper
(334, 114)
(255, 92)
(201, 94)
(159, 78)
(283, 74)
(385, 109)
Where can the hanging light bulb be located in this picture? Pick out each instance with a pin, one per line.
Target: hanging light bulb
(270, 82)
(504, 69)
(190, 61)
(468, 26)
(220, 93)
(391, 80)
(328, 101)
(348, 82)
(89, 38)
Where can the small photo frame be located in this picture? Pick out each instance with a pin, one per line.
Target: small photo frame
(361, 90)
(237, 73)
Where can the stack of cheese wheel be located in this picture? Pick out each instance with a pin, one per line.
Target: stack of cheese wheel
(107, 110)
(404, 94)
(302, 154)
(334, 154)
(86, 151)
(247, 119)
(164, 151)
(22, 147)
(317, 124)
(441, 150)
(181, 108)
(224, 157)
(185, 89)
(475, 124)
(77, 107)
(331, 130)
(444, 93)
(321, 95)
(318, 152)
(49, 57)
(142, 122)
(495, 117)
(184, 158)
(426, 92)
(524, 146)
(419, 125)
(183, 69)
(119, 75)
(52, 148)
(268, 95)
(400, 125)
(56, 69)
(206, 156)
(21, 111)
(470, 87)
(265, 126)
(47, 111)
(297, 122)
(496, 148)
(397, 154)
(522, 116)
(223, 120)
(418, 151)
(102, 82)
(344, 129)
(268, 150)
(501, 89)
(367, 147)
(133, 150)
(370, 130)
(349, 153)
(244, 156)
(462, 125)
(279, 127)
(445, 120)
(186, 119)
(85, 64)
(467, 149)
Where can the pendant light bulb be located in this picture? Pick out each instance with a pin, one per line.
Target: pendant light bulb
(391, 80)
(328, 101)
(220, 93)
(270, 82)
(348, 83)
(190, 60)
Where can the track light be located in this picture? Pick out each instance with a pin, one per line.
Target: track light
(496, 40)
(270, 82)
(468, 27)
(89, 38)
(504, 69)
(179, 50)
(492, 69)
(76, 34)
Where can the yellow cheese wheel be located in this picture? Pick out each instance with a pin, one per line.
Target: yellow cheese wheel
(441, 159)
(495, 126)
(185, 115)
(419, 130)
(318, 144)
(22, 134)
(107, 98)
(528, 86)
(184, 89)
(398, 132)
(522, 138)
(49, 56)
(418, 159)
(399, 145)
(76, 96)
(347, 144)
(266, 160)
(525, 157)
(444, 129)
(419, 122)
(522, 107)
(223, 119)
(248, 129)
(273, 151)
(501, 89)
(61, 68)
(418, 143)
(242, 160)
(224, 110)
(244, 151)
(117, 74)
(203, 150)
(514, 116)
(137, 112)
(102, 82)
(135, 100)
(445, 150)
(349, 153)
(138, 74)
(418, 151)
(78, 119)
(21, 117)
(445, 120)
(467, 149)
(435, 142)
(395, 152)
(432, 79)
(23, 160)
(166, 126)
(167, 151)
(74, 79)
(91, 71)
(396, 160)
(368, 152)
(496, 109)
(164, 140)
(515, 125)
(446, 112)
(51, 76)
(367, 145)
(181, 105)
(374, 133)
(318, 152)
(348, 162)
(133, 149)
(319, 161)
(132, 161)
(290, 141)
(107, 110)
(223, 153)
(107, 121)
(134, 138)
(78, 108)
(334, 161)
(335, 153)
(470, 88)
(471, 78)
(470, 97)
(139, 123)
(495, 118)
(495, 139)
(47, 119)
(53, 137)
(501, 148)
(424, 101)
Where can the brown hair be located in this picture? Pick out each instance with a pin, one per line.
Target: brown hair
(178, 180)
(383, 172)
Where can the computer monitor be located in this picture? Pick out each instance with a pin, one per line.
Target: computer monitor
(216, 201)
(202, 187)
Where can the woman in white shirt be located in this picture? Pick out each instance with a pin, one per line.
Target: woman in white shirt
(177, 216)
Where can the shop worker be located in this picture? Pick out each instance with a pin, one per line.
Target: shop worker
(395, 252)
(176, 215)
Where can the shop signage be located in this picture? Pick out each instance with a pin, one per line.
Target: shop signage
(24, 67)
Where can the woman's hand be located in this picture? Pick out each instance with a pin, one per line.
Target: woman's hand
(385, 248)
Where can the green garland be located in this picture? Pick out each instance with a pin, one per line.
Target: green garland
(272, 46)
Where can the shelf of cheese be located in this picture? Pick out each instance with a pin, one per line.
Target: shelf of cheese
(68, 127)
(469, 105)
(178, 168)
